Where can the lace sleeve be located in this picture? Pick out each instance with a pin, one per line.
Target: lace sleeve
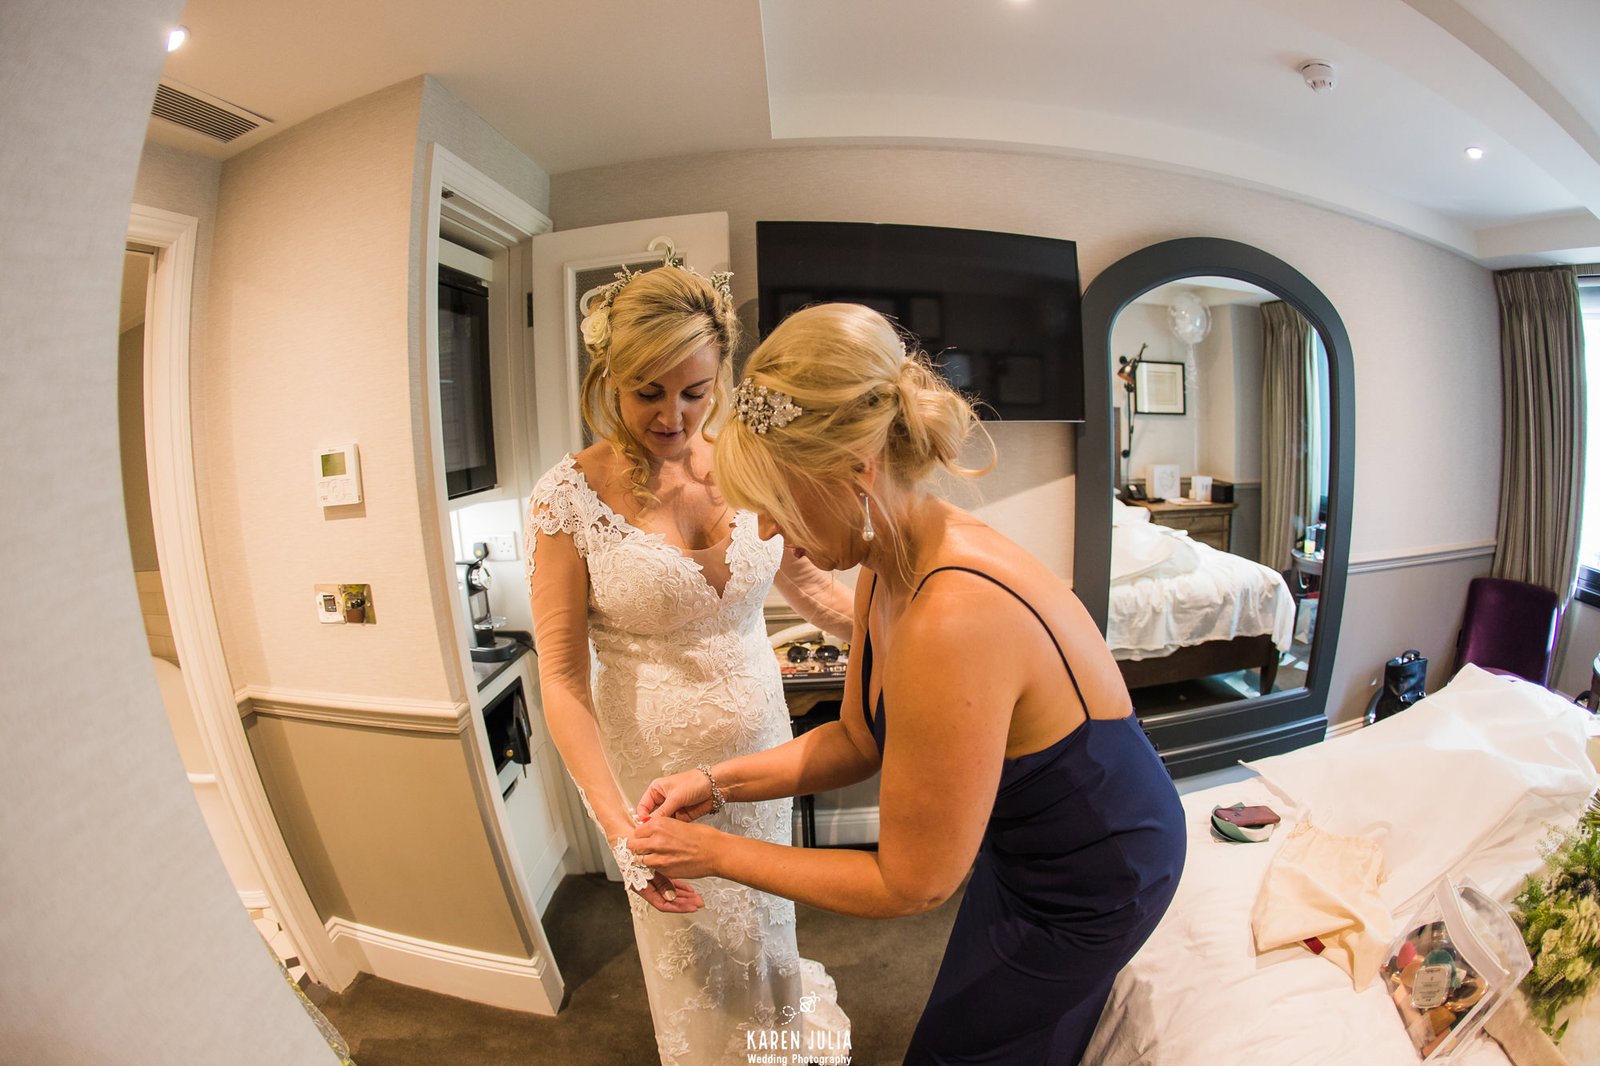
(635, 874)
(556, 506)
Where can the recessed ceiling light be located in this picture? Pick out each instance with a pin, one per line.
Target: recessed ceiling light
(176, 38)
(1474, 152)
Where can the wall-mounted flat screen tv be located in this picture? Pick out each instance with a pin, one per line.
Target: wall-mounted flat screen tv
(998, 312)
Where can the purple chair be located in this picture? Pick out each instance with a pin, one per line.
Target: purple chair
(1509, 627)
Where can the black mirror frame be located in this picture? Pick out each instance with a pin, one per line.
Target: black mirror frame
(1195, 741)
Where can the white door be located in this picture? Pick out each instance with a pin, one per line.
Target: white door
(565, 265)
(568, 263)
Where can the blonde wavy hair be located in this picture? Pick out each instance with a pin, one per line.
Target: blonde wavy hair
(657, 320)
(864, 398)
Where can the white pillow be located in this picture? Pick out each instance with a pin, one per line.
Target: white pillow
(1150, 551)
(1123, 515)
(1466, 781)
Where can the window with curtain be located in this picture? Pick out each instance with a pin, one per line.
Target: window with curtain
(1589, 537)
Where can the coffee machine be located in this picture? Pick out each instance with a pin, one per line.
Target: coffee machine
(475, 579)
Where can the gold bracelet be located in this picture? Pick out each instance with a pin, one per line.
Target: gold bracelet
(718, 801)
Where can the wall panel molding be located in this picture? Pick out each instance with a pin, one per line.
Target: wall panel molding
(1371, 562)
(367, 712)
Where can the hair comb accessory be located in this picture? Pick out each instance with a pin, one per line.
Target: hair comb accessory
(762, 408)
(596, 308)
(596, 303)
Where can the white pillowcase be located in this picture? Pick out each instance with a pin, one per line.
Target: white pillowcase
(1150, 551)
(1466, 781)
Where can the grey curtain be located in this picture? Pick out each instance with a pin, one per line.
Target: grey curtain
(1541, 459)
(1286, 353)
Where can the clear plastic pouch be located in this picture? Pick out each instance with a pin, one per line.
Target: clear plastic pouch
(1459, 958)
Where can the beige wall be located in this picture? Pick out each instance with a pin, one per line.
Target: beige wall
(310, 343)
(1422, 322)
(1384, 609)
(385, 830)
(315, 339)
(111, 956)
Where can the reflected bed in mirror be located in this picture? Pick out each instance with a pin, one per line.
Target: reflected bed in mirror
(1218, 573)
(1202, 609)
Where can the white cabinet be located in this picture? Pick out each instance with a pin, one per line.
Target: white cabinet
(532, 794)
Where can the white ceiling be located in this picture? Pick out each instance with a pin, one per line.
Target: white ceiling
(1210, 88)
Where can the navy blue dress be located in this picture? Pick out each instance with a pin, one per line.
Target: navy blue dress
(1080, 858)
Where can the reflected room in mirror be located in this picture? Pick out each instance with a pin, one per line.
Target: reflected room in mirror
(1214, 579)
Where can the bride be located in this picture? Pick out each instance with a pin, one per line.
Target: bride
(633, 552)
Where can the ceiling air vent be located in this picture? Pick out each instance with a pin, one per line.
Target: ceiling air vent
(217, 119)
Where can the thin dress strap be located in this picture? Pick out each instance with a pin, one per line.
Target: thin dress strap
(866, 654)
(1047, 630)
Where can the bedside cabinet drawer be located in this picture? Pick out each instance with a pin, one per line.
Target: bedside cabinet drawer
(1201, 523)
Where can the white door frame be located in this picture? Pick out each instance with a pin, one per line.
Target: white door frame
(175, 511)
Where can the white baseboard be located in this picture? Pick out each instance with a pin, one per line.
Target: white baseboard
(842, 825)
(498, 980)
(255, 900)
(1344, 728)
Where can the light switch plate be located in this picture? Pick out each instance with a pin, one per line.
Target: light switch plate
(330, 606)
(502, 546)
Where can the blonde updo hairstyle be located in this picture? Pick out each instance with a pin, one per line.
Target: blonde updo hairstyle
(864, 398)
(658, 319)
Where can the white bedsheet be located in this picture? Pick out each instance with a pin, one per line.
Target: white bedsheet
(1464, 782)
(1162, 601)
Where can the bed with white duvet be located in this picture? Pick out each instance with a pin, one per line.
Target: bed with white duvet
(1169, 591)
(1466, 782)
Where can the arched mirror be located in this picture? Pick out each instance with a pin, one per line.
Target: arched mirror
(1213, 495)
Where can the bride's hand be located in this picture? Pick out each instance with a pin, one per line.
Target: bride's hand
(685, 900)
(674, 848)
(684, 796)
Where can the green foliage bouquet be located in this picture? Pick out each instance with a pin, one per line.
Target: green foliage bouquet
(1558, 911)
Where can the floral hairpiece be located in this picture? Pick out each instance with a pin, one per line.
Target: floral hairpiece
(596, 307)
(762, 408)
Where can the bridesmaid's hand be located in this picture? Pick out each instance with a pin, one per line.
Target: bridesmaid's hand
(674, 848)
(684, 796)
(684, 900)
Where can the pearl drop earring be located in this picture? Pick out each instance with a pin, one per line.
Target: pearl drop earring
(867, 532)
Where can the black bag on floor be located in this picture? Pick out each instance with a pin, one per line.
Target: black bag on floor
(1403, 679)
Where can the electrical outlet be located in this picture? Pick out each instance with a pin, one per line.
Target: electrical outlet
(345, 604)
(502, 546)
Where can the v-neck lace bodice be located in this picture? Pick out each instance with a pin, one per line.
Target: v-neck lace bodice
(718, 555)
(640, 583)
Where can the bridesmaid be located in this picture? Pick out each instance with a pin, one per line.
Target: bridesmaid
(982, 690)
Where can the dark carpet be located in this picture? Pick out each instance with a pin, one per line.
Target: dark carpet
(883, 969)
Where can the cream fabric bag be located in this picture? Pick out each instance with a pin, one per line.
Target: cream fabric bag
(1326, 886)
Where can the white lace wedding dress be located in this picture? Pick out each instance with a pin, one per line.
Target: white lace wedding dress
(683, 676)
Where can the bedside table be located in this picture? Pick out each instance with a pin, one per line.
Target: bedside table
(1208, 523)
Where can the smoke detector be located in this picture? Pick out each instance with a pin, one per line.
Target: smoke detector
(1318, 74)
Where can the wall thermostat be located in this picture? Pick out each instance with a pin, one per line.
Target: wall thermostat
(339, 476)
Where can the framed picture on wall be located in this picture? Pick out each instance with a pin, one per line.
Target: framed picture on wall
(1158, 388)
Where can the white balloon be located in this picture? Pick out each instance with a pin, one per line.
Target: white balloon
(1188, 317)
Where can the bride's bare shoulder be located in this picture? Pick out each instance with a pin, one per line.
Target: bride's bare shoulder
(597, 462)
